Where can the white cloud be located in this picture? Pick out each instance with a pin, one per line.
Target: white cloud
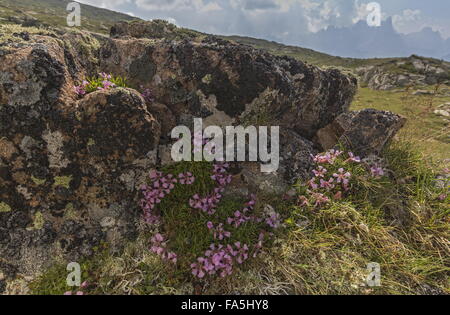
(409, 21)
(199, 6)
(109, 4)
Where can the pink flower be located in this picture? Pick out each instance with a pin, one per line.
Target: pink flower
(342, 176)
(320, 172)
(80, 90)
(104, 75)
(321, 199)
(353, 158)
(274, 221)
(327, 184)
(312, 183)
(303, 201)
(377, 171)
(68, 293)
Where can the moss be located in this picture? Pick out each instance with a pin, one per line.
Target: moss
(4, 207)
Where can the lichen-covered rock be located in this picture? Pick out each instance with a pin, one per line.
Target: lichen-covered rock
(296, 163)
(412, 71)
(365, 132)
(226, 83)
(69, 169)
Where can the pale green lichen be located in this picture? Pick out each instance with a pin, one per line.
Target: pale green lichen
(207, 79)
(38, 222)
(4, 207)
(70, 213)
(63, 181)
(38, 181)
(91, 142)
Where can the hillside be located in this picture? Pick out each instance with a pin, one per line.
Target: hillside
(53, 13)
(304, 54)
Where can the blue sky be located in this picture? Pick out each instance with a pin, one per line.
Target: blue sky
(283, 20)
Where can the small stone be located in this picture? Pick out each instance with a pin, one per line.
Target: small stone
(442, 112)
(107, 222)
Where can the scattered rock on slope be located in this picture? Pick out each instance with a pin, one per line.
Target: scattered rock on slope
(412, 71)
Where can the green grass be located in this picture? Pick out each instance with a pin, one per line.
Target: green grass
(94, 83)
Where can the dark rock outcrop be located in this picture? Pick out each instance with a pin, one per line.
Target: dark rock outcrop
(224, 82)
(365, 132)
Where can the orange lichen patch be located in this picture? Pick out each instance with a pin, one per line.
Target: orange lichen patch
(7, 149)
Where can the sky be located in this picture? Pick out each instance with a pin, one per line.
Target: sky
(285, 21)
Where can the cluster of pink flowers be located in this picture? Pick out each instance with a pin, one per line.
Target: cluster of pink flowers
(159, 247)
(325, 184)
(220, 260)
(84, 285)
(240, 217)
(81, 89)
(218, 231)
(327, 158)
(274, 220)
(106, 84)
(209, 203)
(160, 186)
(186, 178)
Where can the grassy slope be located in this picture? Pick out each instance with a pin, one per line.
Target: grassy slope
(429, 132)
(53, 13)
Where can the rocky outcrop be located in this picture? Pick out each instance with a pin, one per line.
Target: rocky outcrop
(412, 71)
(365, 132)
(227, 83)
(70, 168)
